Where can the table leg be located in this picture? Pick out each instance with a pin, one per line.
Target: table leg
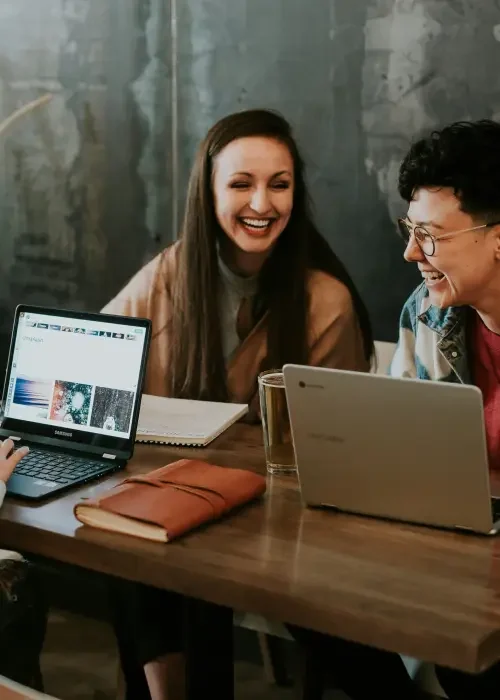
(209, 651)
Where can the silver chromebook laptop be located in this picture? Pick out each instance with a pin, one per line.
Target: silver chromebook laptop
(403, 449)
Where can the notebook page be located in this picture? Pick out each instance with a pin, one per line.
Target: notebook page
(182, 418)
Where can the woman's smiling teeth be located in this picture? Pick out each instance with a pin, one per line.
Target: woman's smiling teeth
(257, 224)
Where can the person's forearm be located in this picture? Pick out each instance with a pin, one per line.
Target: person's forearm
(3, 489)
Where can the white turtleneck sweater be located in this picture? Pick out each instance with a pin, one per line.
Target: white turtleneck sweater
(233, 290)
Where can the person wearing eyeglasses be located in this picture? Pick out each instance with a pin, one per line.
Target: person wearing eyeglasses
(450, 325)
(449, 331)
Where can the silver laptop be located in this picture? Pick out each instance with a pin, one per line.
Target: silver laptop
(403, 449)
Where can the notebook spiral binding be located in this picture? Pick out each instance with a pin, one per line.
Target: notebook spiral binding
(169, 442)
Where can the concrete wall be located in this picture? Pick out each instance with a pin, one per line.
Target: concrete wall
(84, 181)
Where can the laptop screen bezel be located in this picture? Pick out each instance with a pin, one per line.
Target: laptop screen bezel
(96, 442)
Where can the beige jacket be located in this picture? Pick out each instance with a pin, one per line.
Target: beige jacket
(334, 335)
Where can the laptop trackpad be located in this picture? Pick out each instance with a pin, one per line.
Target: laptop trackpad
(29, 487)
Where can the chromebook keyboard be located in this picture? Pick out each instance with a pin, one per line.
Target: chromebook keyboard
(59, 467)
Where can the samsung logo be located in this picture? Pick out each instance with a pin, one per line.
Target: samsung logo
(63, 433)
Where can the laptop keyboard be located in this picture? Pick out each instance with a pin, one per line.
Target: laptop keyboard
(58, 467)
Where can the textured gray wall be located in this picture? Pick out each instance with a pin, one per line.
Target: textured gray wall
(358, 79)
(84, 181)
(93, 184)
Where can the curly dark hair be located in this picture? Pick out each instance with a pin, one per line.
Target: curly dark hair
(464, 156)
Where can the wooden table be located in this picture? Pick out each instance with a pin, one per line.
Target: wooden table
(430, 594)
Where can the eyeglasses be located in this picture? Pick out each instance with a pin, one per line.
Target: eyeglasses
(425, 240)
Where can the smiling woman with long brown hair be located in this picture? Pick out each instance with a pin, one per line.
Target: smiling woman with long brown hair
(248, 240)
(250, 285)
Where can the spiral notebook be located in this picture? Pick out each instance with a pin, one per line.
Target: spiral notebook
(184, 422)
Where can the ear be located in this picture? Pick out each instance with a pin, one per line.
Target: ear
(496, 241)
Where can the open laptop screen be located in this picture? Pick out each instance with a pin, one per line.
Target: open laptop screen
(75, 375)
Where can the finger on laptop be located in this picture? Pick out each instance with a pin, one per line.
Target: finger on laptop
(6, 448)
(9, 463)
(7, 451)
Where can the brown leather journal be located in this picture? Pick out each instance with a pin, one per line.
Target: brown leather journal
(172, 500)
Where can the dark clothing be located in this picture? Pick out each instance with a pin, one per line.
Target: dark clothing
(148, 623)
(362, 672)
(466, 686)
(23, 618)
(365, 672)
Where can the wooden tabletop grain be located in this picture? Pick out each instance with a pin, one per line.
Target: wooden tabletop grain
(431, 594)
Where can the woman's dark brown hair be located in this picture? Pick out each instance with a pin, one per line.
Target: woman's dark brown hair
(197, 369)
